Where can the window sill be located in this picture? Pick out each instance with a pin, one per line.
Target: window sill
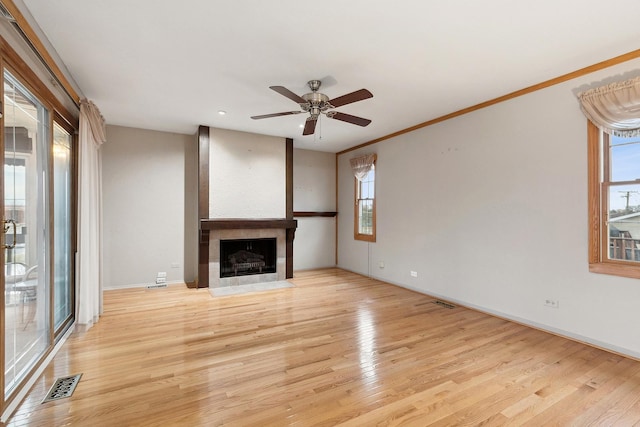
(614, 269)
(365, 237)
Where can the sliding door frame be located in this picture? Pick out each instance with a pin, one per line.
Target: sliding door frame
(60, 121)
(13, 63)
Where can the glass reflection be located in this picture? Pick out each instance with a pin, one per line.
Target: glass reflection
(26, 160)
(62, 245)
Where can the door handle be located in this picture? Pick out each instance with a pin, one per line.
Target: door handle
(7, 224)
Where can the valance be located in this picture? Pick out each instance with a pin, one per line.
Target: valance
(614, 108)
(96, 122)
(362, 165)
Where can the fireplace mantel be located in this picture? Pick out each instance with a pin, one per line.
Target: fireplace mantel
(247, 223)
(246, 231)
(212, 228)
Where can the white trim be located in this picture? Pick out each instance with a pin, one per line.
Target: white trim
(526, 322)
(140, 285)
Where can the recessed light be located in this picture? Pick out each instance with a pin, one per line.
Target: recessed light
(222, 112)
(301, 126)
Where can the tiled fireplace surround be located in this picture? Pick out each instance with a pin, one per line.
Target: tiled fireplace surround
(215, 281)
(214, 230)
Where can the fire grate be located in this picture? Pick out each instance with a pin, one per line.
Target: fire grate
(63, 387)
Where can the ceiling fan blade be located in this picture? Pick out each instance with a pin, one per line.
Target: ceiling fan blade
(356, 96)
(286, 92)
(266, 116)
(310, 126)
(349, 118)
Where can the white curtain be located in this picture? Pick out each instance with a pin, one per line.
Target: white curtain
(362, 165)
(89, 260)
(614, 108)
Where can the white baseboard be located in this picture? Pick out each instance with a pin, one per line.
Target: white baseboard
(139, 285)
(526, 322)
(301, 270)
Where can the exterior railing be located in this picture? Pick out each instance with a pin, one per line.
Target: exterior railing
(625, 248)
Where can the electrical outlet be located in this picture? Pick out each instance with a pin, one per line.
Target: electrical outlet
(175, 265)
(162, 274)
(414, 274)
(553, 303)
(381, 264)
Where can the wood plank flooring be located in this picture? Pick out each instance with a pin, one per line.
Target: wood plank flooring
(338, 349)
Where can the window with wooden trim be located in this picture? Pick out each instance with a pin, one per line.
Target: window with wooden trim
(365, 207)
(614, 203)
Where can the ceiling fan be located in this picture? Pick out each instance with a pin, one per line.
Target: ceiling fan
(316, 103)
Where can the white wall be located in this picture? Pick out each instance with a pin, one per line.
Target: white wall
(314, 190)
(490, 209)
(143, 205)
(247, 175)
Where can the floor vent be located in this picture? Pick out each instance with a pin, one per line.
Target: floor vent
(159, 285)
(444, 304)
(63, 387)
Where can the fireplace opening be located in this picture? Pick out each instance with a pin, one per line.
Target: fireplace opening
(243, 257)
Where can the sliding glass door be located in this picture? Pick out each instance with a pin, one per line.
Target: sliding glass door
(38, 196)
(26, 225)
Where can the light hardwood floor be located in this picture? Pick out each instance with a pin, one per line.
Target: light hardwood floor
(338, 348)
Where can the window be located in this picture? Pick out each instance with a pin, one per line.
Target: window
(365, 207)
(614, 204)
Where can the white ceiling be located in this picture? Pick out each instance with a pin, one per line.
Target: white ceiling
(170, 66)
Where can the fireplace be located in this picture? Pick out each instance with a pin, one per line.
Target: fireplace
(245, 269)
(242, 257)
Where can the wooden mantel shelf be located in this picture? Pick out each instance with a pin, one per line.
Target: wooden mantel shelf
(247, 223)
